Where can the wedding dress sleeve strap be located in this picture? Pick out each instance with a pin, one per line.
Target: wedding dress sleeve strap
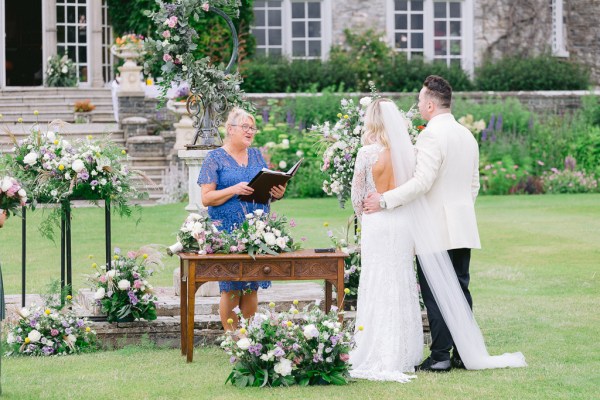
(429, 160)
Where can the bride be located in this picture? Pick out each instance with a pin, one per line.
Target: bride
(388, 305)
(391, 343)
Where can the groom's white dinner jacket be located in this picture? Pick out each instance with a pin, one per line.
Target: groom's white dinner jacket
(447, 172)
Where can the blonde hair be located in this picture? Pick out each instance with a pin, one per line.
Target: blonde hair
(374, 130)
(236, 115)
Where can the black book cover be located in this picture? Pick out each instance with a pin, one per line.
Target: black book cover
(265, 180)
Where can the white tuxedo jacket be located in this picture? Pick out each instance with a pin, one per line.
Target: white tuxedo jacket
(447, 172)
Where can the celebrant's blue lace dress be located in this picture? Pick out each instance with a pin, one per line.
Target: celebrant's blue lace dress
(220, 168)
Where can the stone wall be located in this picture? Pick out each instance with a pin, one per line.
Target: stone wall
(357, 15)
(583, 34)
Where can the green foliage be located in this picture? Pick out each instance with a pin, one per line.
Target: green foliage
(543, 72)
(569, 181)
(586, 150)
(61, 72)
(500, 177)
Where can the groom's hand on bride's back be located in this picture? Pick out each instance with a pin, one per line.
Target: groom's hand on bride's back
(371, 203)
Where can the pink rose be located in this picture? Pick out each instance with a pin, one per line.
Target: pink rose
(137, 284)
(131, 254)
(54, 332)
(103, 278)
(166, 34)
(292, 223)
(172, 22)
(167, 58)
(205, 7)
(344, 357)
(233, 249)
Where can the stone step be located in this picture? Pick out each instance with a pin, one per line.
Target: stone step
(52, 91)
(44, 98)
(68, 116)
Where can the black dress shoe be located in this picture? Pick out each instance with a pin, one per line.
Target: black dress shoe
(434, 366)
(456, 362)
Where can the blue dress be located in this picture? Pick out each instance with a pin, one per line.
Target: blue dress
(220, 168)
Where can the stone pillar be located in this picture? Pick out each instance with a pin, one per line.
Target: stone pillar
(184, 131)
(94, 15)
(193, 159)
(49, 31)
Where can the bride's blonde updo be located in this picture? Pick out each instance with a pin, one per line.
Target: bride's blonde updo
(374, 130)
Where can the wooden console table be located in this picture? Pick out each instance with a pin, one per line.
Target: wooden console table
(196, 270)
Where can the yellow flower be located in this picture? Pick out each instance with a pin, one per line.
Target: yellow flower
(69, 297)
(145, 256)
(325, 224)
(271, 304)
(27, 340)
(47, 311)
(346, 116)
(339, 115)
(89, 137)
(1, 116)
(56, 141)
(36, 112)
(90, 256)
(295, 302)
(88, 329)
(347, 291)
(116, 257)
(243, 331)
(61, 167)
(20, 120)
(94, 265)
(360, 327)
(123, 152)
(98, 155)
(295, 311)
(230, 321)
(289, 324)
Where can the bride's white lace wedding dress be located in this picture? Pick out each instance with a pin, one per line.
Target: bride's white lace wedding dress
(391, 343)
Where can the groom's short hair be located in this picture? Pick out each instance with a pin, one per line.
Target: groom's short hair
(440, 89)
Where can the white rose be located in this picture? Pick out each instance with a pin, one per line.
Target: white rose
(99, 294)
(24, 312)
(111, 274)
(22, 193)
(243, 343)
(10, 338)
(67, 176)
(31, 158)
(284, 367)
(78, 166)
(310, 331)
(299, 153)
(260, 225)
(365, 101)
(280, 242)
(34, 336)
(258, 212)
(282, 164)
(124, 284)
(269, 238)
(248, 216)
(64, 69)
(277, 232)
(72, 338)
(6, 184)
(50, 136)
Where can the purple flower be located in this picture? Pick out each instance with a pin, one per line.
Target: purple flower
(31, 347)
(334, 339)
(47, 350)
(117, 250)
(65, 324)
(265, 115)
(33, 323)
(317, 358)
(94, 183)
(278, 352)
(296, 346)
(68, 331)
(232, 359)
(132, 298)
(80, 323)
(83, 175)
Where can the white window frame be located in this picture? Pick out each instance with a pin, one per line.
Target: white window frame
(267, 47)
(559, 48)
(286, 26)
(107, 41)
(467, 62)
(66, 43)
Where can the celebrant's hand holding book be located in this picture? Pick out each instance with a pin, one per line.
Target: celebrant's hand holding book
(266, 182)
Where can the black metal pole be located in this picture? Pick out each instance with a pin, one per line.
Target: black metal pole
(23, 254)
(68, 239)
(63, 248)
(107, 232)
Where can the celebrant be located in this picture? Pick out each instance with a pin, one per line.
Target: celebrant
(224, 176)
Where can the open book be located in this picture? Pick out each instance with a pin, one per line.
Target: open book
(265, 180)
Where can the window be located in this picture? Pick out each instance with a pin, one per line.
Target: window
(558, 29)
(437, 30)
(107, 39)
(71, 33)
(299, 29)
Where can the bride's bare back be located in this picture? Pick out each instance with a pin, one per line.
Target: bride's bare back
(383, 172)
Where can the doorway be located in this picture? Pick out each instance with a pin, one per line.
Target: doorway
(23, 43)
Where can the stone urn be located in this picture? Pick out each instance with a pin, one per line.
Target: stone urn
(184, 129)
(131, 81)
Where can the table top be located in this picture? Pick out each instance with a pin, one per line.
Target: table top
(304, 253)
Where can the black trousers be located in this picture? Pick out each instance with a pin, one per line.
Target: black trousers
(441, 339)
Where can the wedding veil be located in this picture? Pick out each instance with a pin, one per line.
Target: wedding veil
(434, 259)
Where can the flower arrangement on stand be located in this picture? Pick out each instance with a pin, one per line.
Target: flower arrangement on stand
(51, 329)
(12, 195)
(197, 234)
(123, 292)
(304, 347)
(55, 170)
(83, 111)
(61, 71)
(130, 41)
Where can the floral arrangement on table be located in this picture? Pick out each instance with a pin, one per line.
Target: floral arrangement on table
(173, 48)
(52, 329)
(307, 347)
(259, 233)
(197, 234)
(83, 106)
(12, 195)
(61, 71)
(55, 170)
(123, 291)
(130, 40)
(343, 140)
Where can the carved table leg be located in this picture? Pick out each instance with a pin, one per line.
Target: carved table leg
(191, 303)
(183, 305)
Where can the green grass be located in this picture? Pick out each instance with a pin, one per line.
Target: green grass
(535, 285)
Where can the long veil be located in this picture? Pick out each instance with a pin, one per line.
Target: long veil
(434, 259)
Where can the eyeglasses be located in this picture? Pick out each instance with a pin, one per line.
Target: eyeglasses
(247, 128)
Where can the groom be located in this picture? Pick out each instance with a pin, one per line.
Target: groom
(447, 173)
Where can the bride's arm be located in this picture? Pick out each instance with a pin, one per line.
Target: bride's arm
(359, 184)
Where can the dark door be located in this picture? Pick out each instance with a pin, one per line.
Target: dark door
(24, 65)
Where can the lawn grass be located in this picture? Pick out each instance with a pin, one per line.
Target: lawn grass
(535, 285)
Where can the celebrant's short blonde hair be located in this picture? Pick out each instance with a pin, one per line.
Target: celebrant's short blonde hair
(236, 115)
(374, 130)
